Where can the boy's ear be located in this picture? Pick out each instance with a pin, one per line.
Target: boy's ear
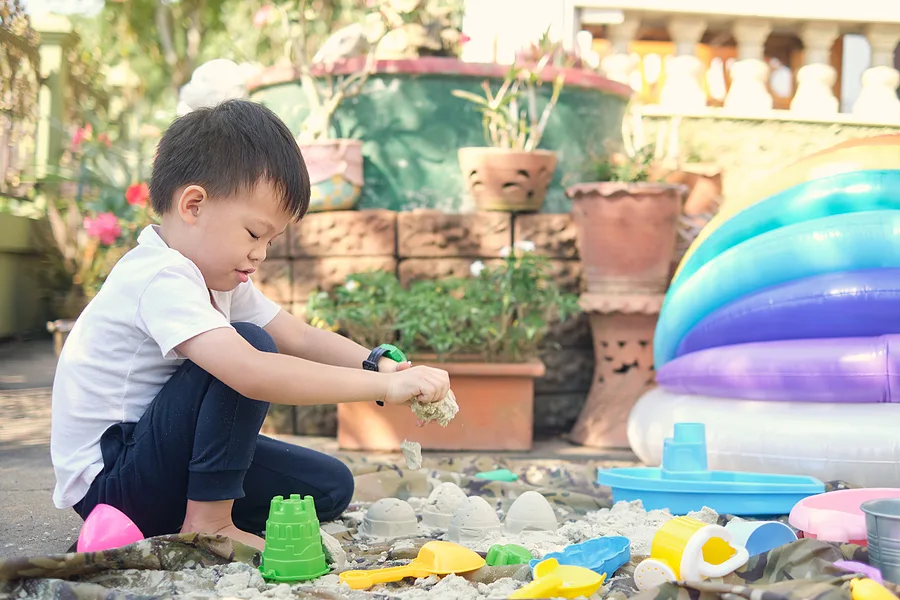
(190, 203)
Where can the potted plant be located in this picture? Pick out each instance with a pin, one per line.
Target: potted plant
(418, 28)
(485, 330)
(512, 173)
(627, 216)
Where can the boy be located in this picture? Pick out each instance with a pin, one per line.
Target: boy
(165, 379)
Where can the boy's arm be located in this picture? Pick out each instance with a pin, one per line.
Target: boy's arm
(296, 337)
(284, 379)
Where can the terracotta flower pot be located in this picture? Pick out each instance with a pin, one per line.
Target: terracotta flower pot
(626, 234)
(335, 173)
(704, 183)
(507, 180)
(496, 412)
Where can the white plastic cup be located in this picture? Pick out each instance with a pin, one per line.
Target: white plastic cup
(758, 537)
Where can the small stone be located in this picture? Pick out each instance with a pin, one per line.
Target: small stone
(412, 453)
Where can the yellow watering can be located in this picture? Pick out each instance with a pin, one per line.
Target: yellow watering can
(689, 550)
(553, 580)
(434, 558)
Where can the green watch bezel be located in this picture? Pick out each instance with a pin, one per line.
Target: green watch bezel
(393, 352)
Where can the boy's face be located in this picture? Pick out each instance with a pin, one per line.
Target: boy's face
(230, 236)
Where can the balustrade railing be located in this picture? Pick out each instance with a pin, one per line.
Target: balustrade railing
(744, 58)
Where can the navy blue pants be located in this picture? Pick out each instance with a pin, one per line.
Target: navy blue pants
(199, 440)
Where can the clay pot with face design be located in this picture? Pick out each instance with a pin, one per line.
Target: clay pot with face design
(500, 179)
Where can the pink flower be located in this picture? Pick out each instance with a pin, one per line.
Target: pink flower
(104, 227)
(463, 39)
(103, 138)
(137, 194)
(81, 134)
(264, 16)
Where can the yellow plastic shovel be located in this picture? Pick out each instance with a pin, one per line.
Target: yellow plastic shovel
(553, 580)
(434, 558)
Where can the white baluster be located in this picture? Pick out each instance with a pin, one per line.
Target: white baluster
(683, 88)
(749, 75)
(619, 64)
(816, 78)
(878, 96)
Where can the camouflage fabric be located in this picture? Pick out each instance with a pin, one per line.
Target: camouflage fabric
(200, 566)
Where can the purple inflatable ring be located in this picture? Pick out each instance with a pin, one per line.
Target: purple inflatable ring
(846, 304)
(844, 370)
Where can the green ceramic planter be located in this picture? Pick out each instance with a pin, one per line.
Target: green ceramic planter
(412, 126)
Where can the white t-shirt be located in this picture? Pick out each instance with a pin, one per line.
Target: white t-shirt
(121, 351)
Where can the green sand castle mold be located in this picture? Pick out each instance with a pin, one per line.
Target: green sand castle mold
(509, 554)
(293, 549)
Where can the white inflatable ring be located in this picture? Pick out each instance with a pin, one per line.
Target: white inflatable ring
(856, 443)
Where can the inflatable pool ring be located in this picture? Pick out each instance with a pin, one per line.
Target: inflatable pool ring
(867, 153)
(845, 160)
(838, 194)
(845, 304)
(885, 139)
(857, 443)
(854, 370)
(865, 240)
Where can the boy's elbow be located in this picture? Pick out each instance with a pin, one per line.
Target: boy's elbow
(230, 359)
(246, 377)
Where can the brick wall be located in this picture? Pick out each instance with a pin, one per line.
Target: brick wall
(326, 247)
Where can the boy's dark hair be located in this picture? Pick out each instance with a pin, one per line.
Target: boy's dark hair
(227, 148)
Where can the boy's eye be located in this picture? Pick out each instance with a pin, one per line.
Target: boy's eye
(255, 237)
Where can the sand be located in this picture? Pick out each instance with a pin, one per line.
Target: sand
(244, 582)
(441, 411)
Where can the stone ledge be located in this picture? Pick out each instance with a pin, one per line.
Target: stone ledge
(553, 235)
(715, 112)
(432, 233)
(371, 232)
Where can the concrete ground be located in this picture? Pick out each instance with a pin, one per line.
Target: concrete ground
(29, 523)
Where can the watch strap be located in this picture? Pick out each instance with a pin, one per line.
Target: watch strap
(379, 352)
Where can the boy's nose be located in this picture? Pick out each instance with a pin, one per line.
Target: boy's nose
(258, 255)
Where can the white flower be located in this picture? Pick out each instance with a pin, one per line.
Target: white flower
(476, 268)
(525, 246)
(504, 251)
(351, 286)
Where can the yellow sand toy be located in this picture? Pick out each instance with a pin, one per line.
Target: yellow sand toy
(434, 558)
(553, 580)
(685, 549)
(869, 589)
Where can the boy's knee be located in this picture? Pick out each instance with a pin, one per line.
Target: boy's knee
(341, 492)
(258, 337)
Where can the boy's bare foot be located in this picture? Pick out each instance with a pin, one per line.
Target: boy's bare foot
(242, 536)
(214, 518)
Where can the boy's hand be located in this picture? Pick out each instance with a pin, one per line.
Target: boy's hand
(425, 384)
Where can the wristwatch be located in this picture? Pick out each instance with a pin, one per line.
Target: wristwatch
(392, 352)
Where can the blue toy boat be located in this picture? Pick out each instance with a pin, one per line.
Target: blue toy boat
(601, 555)
(684, 484)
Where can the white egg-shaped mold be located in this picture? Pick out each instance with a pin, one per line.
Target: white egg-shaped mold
(389, 518)
(443, 502)
(473, 521)
(530, 512)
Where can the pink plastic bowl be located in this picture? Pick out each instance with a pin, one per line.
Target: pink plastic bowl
(835, 516)
(106, 528)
